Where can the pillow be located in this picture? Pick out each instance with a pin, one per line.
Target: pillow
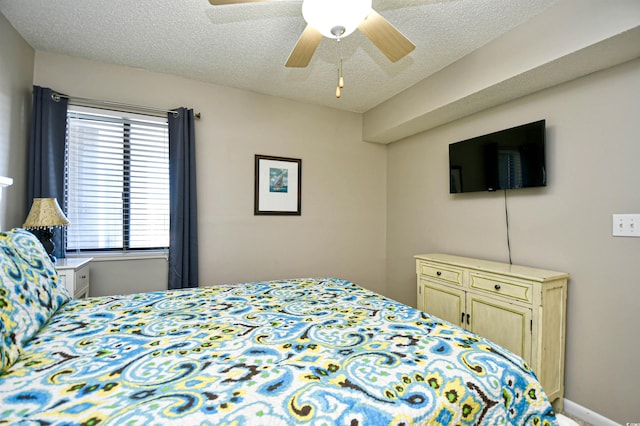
(29, 292)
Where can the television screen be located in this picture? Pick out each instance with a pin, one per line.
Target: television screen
(508, 159)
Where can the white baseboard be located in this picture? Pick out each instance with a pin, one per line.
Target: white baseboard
(587, 415)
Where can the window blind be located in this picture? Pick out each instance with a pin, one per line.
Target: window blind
(510, 170)
(117, 180)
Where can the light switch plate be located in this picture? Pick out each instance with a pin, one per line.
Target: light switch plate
(626, 225)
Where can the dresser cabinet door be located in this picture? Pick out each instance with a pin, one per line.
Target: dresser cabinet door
(443, 302)
(503, 323)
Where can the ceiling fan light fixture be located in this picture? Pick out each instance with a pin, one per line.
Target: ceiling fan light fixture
(325, 15)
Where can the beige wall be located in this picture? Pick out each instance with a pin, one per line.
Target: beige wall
(592, 161)
(16, 75)
(109, 277)
(341, 231)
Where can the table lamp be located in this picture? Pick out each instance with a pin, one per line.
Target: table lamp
(45, 214)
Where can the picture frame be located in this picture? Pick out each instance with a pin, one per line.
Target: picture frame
(278, 186)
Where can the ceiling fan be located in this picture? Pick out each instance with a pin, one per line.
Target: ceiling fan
(337, 19)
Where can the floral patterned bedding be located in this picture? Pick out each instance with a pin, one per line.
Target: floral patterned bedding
(306, 351)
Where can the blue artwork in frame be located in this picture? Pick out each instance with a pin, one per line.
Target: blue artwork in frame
(278, 180)
(278, 186)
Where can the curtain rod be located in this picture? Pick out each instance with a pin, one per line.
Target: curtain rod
(56, 96)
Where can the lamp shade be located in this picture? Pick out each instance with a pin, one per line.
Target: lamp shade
(324, 15)
(45, 213)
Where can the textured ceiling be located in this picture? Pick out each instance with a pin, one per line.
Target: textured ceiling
(246, 46)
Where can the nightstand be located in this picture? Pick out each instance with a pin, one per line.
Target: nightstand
(73, 272)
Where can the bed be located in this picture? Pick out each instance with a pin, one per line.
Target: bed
(303, 351)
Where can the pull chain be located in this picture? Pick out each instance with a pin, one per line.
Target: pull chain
(340, 77)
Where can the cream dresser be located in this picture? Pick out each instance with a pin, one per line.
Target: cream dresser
(522, 309)
(73, 272)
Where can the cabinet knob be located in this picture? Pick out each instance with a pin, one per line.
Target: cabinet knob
(438, 273)
(497, 286)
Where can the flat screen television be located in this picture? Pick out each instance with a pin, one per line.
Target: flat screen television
(508, 159)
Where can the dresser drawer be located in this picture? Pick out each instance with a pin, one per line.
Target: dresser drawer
(496, 284)
(82, 281)
(445, 273)
(74, 280)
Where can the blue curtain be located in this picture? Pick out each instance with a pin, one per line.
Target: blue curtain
(45, 178)
(183, 227)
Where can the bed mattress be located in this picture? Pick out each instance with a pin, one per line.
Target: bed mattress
(304, 351)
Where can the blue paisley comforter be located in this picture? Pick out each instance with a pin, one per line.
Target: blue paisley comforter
(311, 352)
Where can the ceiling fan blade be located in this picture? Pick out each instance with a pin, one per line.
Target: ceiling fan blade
(223, 2)
(304, 48)
(386, 37)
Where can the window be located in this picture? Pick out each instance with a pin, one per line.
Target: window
(117, 180)
(510, 168)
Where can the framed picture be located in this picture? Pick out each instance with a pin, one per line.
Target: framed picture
(277, 186)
